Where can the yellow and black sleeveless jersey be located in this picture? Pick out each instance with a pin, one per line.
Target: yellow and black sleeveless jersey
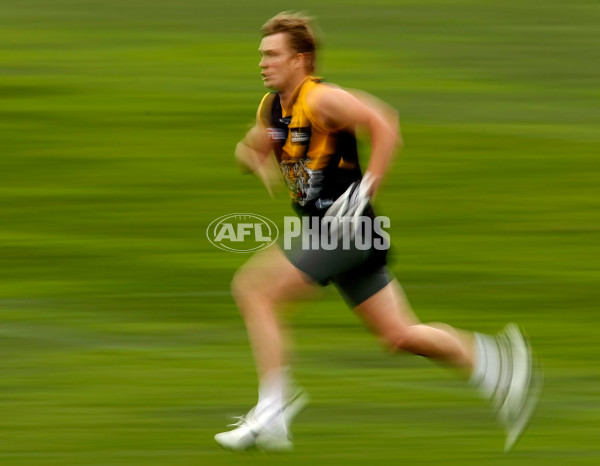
(318, 163)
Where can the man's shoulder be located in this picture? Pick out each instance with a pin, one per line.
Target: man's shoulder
(323, 99)
(265, 108)
(320, 94)
(323, 91)
(267, 99)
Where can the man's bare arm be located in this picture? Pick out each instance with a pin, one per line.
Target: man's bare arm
(252, 154)
(252, 151)
(338, 108)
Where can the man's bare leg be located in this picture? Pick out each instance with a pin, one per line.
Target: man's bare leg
(265, 281)
(390, 316)
(503, 367)
(259, 286)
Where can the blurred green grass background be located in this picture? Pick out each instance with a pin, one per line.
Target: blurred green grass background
(119, 342)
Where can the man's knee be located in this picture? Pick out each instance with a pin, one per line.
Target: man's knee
(406, 340)
(270, 286)
(244, 288)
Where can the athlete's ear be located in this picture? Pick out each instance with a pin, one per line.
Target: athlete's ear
(299, 60)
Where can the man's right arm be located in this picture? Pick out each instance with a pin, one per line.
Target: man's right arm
(252, 154)
(252, 151)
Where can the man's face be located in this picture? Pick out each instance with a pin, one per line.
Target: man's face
(279, 63)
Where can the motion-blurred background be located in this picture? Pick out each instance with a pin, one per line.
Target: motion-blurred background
(119, 341)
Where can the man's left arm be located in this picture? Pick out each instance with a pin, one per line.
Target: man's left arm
(340, 109)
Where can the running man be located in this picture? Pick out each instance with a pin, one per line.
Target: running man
(309, 127)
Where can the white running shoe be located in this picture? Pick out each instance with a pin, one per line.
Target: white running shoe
(524, 389)
(295, 405)
(267, 432)
(243, 436)
(505, 373)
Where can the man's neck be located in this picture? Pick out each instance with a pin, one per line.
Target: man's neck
(286, 95)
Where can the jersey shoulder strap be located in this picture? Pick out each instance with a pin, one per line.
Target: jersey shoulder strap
(316, 85)
(265, 109)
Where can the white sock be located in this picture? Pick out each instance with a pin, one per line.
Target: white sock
(272, 394)
(486, 373)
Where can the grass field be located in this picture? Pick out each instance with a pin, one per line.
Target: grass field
(119, 341)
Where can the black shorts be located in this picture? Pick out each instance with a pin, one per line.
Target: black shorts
(358, 274)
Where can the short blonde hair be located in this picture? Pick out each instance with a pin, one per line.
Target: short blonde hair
(299, 30)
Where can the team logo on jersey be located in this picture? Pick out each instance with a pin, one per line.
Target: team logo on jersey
(276, 134)
(242, 232)
(300, 136)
